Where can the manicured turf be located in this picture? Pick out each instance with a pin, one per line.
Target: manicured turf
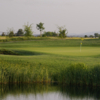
(66, 51)
(46, 51)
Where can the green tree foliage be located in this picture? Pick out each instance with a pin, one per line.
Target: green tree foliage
(62, 32)
(96, 35)
(3, 34)
(10, 32)
(99, 36)
(28, 30)
(53, 34)
(40, 27)
(20, 32)
(85, 36)
(91, 36)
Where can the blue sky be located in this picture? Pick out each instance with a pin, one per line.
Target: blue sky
(78, 16)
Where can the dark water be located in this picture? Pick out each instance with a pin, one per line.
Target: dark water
(48, 92)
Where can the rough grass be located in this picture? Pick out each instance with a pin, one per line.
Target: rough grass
(54, 43)
(17, 38)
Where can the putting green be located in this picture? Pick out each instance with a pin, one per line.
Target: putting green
(68, 51)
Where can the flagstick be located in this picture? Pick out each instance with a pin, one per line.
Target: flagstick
(80, 46)
(81, 43)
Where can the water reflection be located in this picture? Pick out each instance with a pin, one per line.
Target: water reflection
(81, 93)
(48, 92)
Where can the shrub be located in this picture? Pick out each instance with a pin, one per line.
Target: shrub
(62, 32)
(3, 34)
(49, 34)
(28, 30)
(10, 32)
(20, 32)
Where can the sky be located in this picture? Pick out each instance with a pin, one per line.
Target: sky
(77, 16)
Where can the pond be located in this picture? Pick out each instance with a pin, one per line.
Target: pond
(48, 92)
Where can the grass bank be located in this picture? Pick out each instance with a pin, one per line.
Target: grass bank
(51, 61)
(75, 74)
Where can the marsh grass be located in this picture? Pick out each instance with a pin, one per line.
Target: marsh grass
(79, 74)
(22, 72)
(75, 74)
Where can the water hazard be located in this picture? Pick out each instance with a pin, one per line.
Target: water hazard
(48, 92)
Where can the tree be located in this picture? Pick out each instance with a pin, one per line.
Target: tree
(40, 27)
(49, 34)
(10, 32)
(20, 32)
(85, 36)
(99, 36)
(3, 34)
(28, 30)
(91, 36)
(62, 32)
(96, 35)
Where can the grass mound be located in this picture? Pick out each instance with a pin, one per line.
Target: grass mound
(18, 52)
(25, 52)
(8, 52)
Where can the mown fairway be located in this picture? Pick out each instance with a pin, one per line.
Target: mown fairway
(46, 51)
(44, 59)
(66, 51)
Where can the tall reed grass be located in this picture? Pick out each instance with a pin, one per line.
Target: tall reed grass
(80, 74)
(20, 72)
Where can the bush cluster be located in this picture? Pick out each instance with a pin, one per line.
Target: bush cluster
(51, 34)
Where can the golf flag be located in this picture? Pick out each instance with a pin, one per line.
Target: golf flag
(81, 43)
(82, 39)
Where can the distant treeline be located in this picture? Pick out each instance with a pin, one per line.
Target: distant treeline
(96, 35)
(54, 34)
(27, 31)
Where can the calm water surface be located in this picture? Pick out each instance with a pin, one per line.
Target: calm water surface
(48, 92)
